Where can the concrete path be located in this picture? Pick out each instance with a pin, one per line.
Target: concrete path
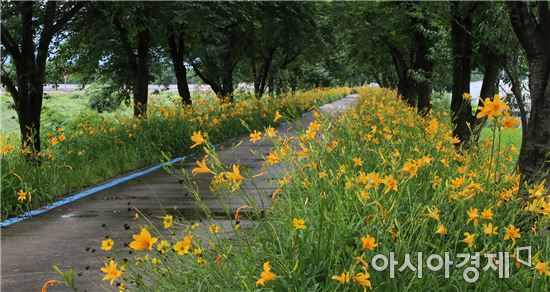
(70, 236)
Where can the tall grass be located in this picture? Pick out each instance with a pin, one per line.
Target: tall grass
(378, 171)
(96, 148)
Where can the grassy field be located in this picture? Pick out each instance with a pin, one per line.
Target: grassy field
(377, 180)
(90, 147)
(507, 137)
(59, 107)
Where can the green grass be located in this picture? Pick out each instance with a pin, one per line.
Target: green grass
(507, 137)
(57, 108)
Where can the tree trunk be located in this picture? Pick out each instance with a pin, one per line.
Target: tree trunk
(261, 80)
(404, 84)
(28, 112)
(534, 37)
(141, 78)
(488, 89)
(423, 65)
(176, 54)
(461, 42)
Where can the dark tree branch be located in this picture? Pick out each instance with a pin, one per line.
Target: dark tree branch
(8, 42)
(67, 16)
(10, 85)
(525, 29)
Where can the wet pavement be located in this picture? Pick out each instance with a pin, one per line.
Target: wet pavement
(70, 236)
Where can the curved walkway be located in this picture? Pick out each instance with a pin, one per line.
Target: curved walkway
(70, 236)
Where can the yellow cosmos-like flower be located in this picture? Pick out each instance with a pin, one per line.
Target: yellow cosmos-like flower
(163, 247)
(167, 221)
(299, 224)
(181, 248)
(214, 228)
(107, 244)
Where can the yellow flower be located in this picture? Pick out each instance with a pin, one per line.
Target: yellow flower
(235, 175)
(441, 229)
(314, 126)
(278, 116)
(492, 108)
(489, 229)
(466, 96)
(357, 161)
(197, 138)
(111, 272)
(163, 246)
(362, 278)
(255, 136)
(270, 132)
(433, 213)
(21, 195)
(487, 214)
(468, 239)
(266, 275)
(511, 233)
(107, 244)
(343, 279)
(62, 137)
(542, 268)
(299, 224)
(509, 122)
(272, 158)
(214, 228)
(473, 215)
(201, 167)
(167, 221)
(390, 182)
(155, 261)
(181, 248)
(143, 241)
(369, 242)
